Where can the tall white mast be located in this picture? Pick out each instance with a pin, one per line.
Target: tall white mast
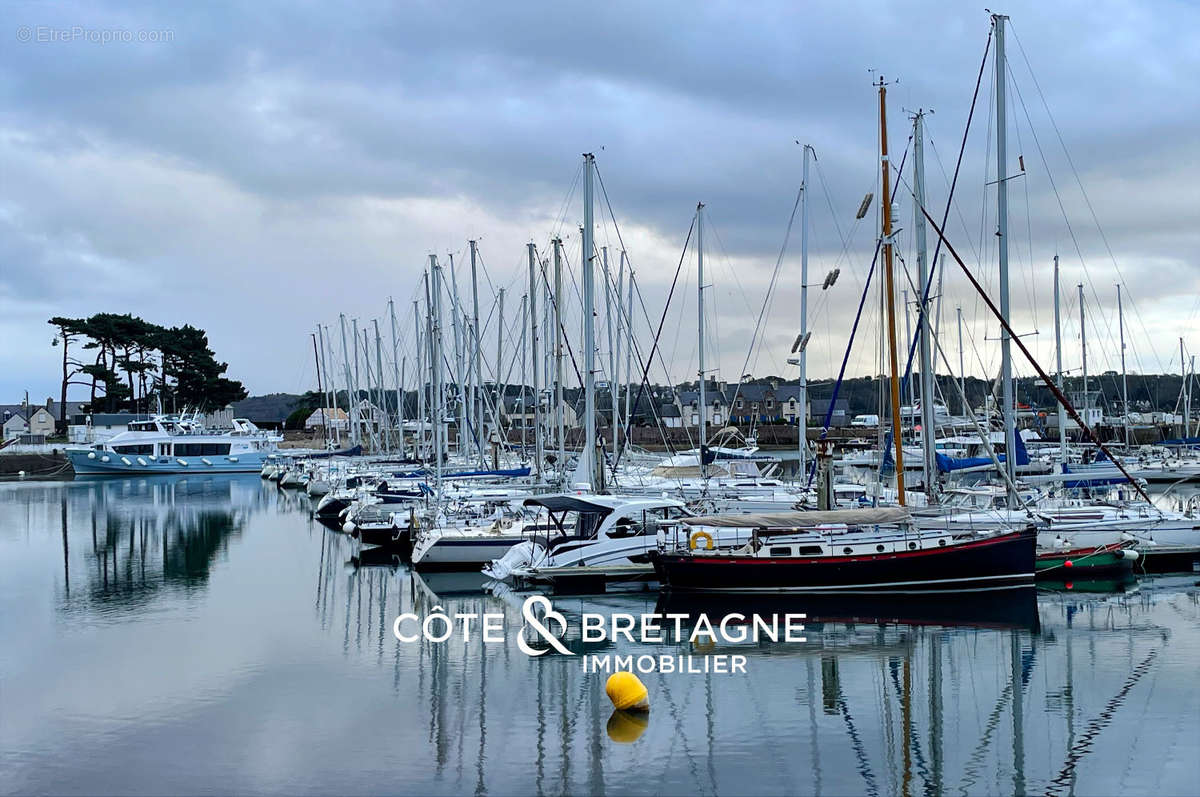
(928, 423)
(323, 379)
(1185, 393)
(329, 358)
(534, 287)
(559, 413)
(1010, 428)
(419, 444)
(396, 377)
(628, 350)
(612, 354)
(617, 362)
(587, 457)
(458, 330)
(435, 313)
(1083, 352)
(1124, 382)
(802, 410)
(962, 370)
(384, 429)
(1062, 412)
(476, 354)
(351, 405)
(702, 430)
(500, 366)
(524, 376)
(357, 385)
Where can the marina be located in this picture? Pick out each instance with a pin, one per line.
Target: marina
(623, 422)
(154, 614)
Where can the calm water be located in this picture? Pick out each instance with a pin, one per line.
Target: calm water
(204, 635)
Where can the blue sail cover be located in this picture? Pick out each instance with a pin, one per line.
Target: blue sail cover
(948, 464)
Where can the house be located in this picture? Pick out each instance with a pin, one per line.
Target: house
(22, 419)
(518, 411)
(670, 416)
(757, 403)
(328, 417)
(716, 406)
(818, 408)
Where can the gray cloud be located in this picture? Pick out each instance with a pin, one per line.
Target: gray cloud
(271, 166)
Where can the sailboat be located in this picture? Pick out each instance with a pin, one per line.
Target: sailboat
(874, 550)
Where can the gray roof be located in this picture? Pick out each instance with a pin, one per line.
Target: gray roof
(668, 411)
(751, 393)
(12, 410)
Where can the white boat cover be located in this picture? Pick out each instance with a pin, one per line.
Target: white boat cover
(794, 520)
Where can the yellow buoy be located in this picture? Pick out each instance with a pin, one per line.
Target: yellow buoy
(626, 691)
(627, 727)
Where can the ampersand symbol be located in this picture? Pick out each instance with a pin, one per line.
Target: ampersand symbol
(533, 621)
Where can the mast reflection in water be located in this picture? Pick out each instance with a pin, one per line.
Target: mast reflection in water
(204, 635)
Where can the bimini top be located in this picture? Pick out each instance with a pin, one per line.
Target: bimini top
(795, 520)
(599, 503)
(566, 503)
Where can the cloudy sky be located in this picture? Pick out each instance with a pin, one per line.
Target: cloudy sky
(258, 169)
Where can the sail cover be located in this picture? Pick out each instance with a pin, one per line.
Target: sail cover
(796, 520)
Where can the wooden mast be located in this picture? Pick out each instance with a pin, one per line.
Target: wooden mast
(891, 289)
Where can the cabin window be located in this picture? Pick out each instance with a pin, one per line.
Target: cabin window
(809, 550)
(626, 527)
(142, 448)
(781, 550)
(201, 449)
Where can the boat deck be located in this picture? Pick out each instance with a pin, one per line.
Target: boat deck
(578, 580)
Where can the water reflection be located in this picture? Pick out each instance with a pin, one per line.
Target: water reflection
(909, 695)
(249, 649)
(150, 534)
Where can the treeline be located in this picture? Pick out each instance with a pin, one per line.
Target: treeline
(1147, 392)
(129, 363)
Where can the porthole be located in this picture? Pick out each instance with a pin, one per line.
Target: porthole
(879, 548)
(912, 546)
(941, 543)
(847, 551)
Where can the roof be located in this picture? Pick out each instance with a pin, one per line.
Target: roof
(21, 410)
(669, 411)
(331, 413)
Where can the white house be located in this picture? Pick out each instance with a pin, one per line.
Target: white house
(21, 420)
(331, 417)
